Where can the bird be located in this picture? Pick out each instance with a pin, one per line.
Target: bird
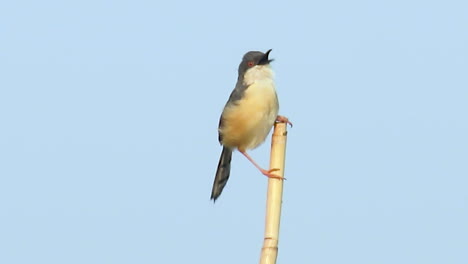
(248, 116)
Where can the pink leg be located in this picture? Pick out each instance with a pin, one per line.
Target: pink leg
(283, 119)
(267, 173)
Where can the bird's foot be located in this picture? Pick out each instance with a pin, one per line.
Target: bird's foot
(283, 119)
(269, 174)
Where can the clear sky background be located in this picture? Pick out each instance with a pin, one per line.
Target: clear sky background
(108, 137)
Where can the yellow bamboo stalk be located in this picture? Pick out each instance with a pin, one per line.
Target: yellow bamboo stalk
(274, 196)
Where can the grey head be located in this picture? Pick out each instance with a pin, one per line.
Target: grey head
(252, 59)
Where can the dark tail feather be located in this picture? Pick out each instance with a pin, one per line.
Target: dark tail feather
(222, 173)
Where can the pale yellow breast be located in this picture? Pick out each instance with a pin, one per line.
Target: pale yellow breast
(247, 123)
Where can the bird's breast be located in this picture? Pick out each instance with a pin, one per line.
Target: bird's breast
(247, 122)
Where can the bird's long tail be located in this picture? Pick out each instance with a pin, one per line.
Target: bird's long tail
(222, 173)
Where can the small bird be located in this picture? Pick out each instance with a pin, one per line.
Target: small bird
(248, 116)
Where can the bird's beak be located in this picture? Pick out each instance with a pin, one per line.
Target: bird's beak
(265, 60)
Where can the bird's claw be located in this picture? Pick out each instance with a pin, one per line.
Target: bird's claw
(283, 119)
(269, 174)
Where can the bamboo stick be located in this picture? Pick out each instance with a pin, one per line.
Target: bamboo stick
(274, 196)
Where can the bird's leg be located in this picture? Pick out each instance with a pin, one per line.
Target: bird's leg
(267, 173)
(283, 119)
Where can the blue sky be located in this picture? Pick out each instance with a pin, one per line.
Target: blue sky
(109, 114)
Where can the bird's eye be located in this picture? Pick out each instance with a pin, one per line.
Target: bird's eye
(250, 63)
